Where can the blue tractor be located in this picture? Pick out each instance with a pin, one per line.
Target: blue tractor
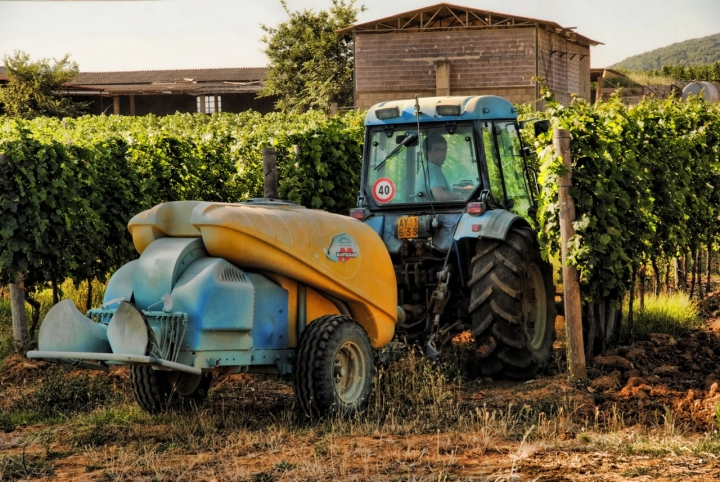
(446, 185)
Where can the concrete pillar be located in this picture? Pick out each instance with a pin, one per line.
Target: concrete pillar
(132, 104)
(442, 78)
(116, 104)
(202, 104)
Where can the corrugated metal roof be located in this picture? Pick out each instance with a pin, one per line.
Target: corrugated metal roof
(239, 74)
(167, 88)
(446, 16)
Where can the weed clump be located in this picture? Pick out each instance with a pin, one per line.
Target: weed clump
(23, 467)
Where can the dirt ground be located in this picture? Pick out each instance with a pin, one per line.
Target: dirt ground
(648, 412)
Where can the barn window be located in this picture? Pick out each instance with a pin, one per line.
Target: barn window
(206, 104)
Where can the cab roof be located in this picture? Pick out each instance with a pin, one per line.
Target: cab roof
(484, 107)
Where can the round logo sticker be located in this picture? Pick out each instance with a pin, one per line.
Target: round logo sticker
(384, 190)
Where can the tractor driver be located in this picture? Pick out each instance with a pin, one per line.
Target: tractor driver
(431, 178)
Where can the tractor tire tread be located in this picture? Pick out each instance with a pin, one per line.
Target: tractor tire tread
(501, 268)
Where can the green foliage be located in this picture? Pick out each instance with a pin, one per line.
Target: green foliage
(311, 64)
(6, 336)
(33, 88)
(709, 72)
(672, 314)
(699, 51)
(645, 183)
(68, 188)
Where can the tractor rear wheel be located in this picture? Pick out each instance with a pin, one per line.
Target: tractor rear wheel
(333, 368)
(512, 305)
(157, 391)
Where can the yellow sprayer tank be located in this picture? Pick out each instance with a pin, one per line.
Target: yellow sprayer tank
(333, 254)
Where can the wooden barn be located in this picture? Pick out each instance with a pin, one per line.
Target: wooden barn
(164, 92)
(452, 50)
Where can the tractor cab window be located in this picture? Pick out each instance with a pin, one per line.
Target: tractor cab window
(440, 165)
(493, 161)
(513, 166)
(505, 165)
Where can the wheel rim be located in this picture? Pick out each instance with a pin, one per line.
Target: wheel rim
(348, 372)
(535, 306)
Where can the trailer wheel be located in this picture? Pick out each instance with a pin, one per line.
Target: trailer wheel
(157, 391)
(333, 368)
(512, 305)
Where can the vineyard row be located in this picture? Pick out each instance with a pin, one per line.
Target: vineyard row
(646, 182)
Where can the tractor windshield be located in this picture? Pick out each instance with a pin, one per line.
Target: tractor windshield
(439, 166)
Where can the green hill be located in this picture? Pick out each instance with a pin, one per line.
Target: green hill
(699, 51)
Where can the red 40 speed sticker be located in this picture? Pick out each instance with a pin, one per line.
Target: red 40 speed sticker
(383, 190)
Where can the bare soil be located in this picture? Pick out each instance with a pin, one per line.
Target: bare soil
(648, 412)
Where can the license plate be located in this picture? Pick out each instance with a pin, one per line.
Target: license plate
(408, 227)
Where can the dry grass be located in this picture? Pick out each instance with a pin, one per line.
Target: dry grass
(423, 424)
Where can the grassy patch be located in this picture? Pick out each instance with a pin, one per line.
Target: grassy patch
(647, 78)
(64, 392)
(673, 314)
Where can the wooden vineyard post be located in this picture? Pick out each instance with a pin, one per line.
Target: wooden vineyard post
(270, 172)
(19, 317)
(571, 279)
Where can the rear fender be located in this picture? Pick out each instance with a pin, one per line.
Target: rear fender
(494, 224)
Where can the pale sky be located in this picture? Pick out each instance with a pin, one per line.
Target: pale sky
(175, 34)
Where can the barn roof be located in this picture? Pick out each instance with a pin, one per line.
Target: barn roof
(239, 74)
(446, 16)
(195, 81)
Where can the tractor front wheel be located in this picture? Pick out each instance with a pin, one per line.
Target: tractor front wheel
(334, 367)
(157, 390)
(512, 305)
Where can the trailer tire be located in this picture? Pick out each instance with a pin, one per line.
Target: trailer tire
(334, 368)
(512, 305)
(157, 391)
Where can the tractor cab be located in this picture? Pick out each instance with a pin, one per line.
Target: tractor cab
(438, 154)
